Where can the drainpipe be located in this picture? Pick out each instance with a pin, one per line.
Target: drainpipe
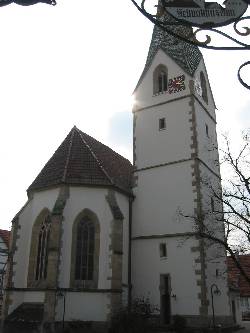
(131, 199)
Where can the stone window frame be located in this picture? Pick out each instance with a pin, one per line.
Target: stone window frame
(160, 75)
(32, 282)
(87, 284)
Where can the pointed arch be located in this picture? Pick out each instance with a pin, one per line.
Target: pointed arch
(85, 250)
(160, 79)
(203, 87)
(38, 258)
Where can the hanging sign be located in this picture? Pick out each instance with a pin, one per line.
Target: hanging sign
(26, 2)
(205, 14)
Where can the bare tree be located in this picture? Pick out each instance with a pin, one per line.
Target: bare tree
(234, 199)
(226, 218)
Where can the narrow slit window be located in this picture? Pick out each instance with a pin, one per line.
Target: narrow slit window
(163, 250)
(162, 124)
(212, 204)
(207, 132)
(203, 87)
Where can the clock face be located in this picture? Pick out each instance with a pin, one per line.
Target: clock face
(176, 84)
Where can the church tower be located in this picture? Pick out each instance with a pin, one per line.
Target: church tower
(175, 169)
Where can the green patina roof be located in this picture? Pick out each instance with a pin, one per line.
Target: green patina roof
(187, 56)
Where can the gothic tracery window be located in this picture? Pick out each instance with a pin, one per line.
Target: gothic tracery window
(42, 253)
(160, 79)
(85, 248)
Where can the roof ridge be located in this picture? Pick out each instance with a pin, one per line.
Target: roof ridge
(106, 146)
(68, 154)
(95, 157)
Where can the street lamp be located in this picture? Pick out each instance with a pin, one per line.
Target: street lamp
(214, 290)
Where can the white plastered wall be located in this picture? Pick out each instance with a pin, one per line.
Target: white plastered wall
(93, 199)
(144, 93)
(164, 194)
(160, 191)
(79, 306)
(83, 306)
(179, 264)
(27, 216)
(90, 306)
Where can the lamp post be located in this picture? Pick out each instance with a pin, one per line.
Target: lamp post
(214, 290)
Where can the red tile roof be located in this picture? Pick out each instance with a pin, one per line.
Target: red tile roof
(82, 160)
(236, 280)
(5, 234)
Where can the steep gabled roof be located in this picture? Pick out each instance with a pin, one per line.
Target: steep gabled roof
(187, 56)
(5, 235)
(82, 160)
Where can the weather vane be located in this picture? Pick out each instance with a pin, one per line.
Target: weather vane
(205, 16)
(26, 2)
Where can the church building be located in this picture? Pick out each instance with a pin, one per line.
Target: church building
(98, 232)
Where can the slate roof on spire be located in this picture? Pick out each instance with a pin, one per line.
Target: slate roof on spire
(82, 160)
(187, 56)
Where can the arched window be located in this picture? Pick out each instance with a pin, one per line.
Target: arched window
(85, 249)
(42, 252)
(203, 87)
(160, 79)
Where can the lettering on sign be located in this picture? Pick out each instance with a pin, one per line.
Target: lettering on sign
(202, 13)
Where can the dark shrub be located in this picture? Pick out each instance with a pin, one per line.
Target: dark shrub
(179, 323)
(134, 320)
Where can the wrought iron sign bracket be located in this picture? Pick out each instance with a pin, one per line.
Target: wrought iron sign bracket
(26, 2)
(200, 16)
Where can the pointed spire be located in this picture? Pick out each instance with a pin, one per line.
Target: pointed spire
(187, 56)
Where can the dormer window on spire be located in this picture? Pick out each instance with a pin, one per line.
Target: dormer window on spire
(160, 80)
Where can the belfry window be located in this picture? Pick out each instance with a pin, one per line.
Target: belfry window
(42, 253)
(85, 248)
(160, 79)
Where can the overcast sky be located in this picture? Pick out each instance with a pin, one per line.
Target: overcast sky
(77, 64)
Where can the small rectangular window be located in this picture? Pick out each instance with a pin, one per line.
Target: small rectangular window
(217, 272)
(163, 250)
(162, 124)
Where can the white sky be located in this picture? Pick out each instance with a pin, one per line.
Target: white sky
(77, 64)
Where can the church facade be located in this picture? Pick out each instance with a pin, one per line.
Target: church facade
(98, 232)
